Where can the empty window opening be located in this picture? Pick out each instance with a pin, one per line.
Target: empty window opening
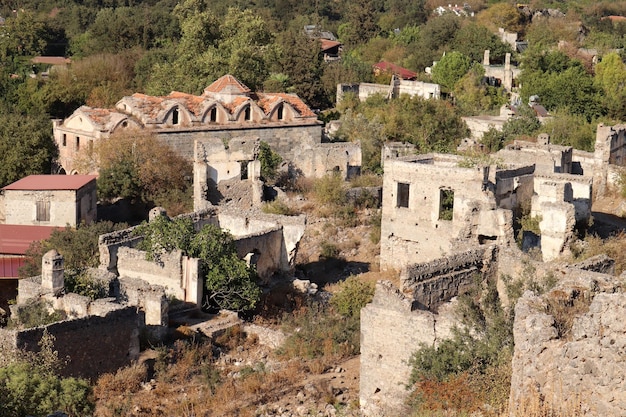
(43, 211)
(213, 115)
(403, 195)
(64, 139)
(279, 113)
(77, 142)
(244, 169)
(175, 117)
(247, 114)
(446, 204)
(482, 239)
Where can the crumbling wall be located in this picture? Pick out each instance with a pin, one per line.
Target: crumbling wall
(109, 244)
(433, 207)
(254, 223)
(574, 189)
(433, 283)
(325, 158)
(92, 345)
(578, 370)
(391, 330)
(266, 250)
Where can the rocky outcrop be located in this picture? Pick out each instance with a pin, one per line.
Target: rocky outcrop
(570, 347)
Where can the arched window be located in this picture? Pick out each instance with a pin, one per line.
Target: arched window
(279, 112)
(247, 114)
(213, 116)
(175, 116)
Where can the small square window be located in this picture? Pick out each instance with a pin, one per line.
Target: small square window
(43, 211)
(403, 195)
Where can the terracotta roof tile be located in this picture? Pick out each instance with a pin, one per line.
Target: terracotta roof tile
(296, 102)
(395, 69)
(227, 82)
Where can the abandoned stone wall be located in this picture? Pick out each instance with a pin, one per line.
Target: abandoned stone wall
(151, 298)
(433, 283)
(325, 158)
(577, 368)
(92, 345)
(166, 272)
(433, 207)
(267, 249)
(574, 189)
(286, 140)
(253, 223)
(390, 332)
(416, 88)
(109, 244)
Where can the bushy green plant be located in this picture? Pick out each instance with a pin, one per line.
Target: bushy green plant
(29, 385)
(353, 295)
(229, 282)
(35, 313)
(328, 250)
(320, 332)
(80, 282)
(270, 161)
(329, 190)
(278, 207)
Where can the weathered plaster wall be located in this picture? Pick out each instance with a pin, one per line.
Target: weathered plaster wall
(66, 206)
(325, 158)
(413, 228)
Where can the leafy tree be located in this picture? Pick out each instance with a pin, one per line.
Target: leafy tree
(434, 38)
(401, 13)
(450, 68)
(356, 127)
(137, 166)
(502, 15)
(473, 39)
(571, 130)
(611, 78)
(230, 283)
(22, 35)
(360, 25)
(26, 146)
(303, 63)
(78, 246)
(472, 96)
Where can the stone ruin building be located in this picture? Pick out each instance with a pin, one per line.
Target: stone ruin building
(139, 291)
(226, 112)
(448, 222)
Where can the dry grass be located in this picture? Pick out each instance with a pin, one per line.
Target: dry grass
(612, 247)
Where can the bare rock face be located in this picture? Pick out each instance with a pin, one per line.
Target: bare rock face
(570, 347)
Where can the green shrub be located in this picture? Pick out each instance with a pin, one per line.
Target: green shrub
(375, 221)
(278, 207)
(328, 250)
(352, 297)
(316, 331)
(35, 313)
(329, 190)
(80, 282)
(270, 161)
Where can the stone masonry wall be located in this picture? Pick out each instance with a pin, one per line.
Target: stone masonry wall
(92, 345)
(582, 370)
(438, 281)
(390, 332)
(285, 140)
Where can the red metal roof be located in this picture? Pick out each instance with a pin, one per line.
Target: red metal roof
(15, 239)
(328, 44)
(396, 69)
(51, 182)
(9, 266)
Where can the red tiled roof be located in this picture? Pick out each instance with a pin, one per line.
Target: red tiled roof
(9, 266)
(15, 239)
(396, 69)
(227, 82)
(51, 182)
(297, 103)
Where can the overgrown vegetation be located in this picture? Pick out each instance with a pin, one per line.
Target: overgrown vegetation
(473, 367)
(229, 282)
(352, 296)
(270, 161)
(30, 385)
(34, 313)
